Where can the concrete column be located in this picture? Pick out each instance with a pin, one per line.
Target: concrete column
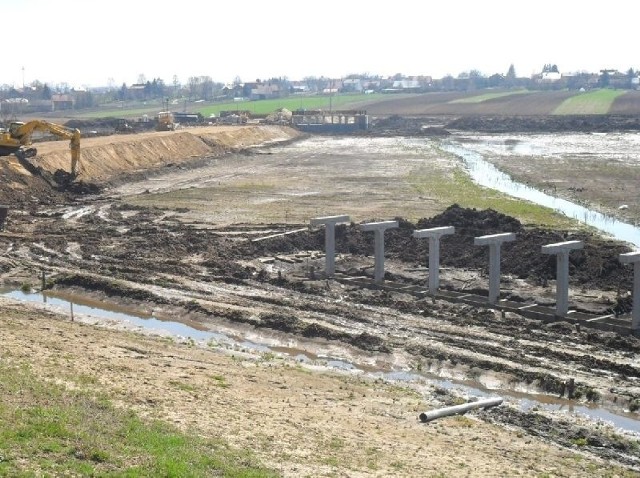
(434, 235)
(634, 258)
(494, 241)
(562, 250)
(378, 228)
(4, 211)
(329, 239)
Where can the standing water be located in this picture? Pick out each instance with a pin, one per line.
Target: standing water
(198, 332)
(486, 174)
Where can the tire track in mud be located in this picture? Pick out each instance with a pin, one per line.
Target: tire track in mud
(147, 256)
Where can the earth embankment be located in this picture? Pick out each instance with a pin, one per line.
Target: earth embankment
(105, 157)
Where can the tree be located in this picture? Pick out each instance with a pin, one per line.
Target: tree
(46, 92)
(206, 87)
(193, 83)
(448, 83)
(510, 79)
(176, 85)
(604, 79)
(123, 92)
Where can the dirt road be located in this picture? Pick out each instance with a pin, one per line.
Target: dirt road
(180, 261)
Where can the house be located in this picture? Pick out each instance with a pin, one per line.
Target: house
(263, 91)
(137, 91)
(62, 102)
(550, 76)
(352, 85)
(299, 87)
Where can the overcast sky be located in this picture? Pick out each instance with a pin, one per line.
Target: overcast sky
(90, 42)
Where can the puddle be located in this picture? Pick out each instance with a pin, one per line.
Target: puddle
(148, 322)
(486, 174)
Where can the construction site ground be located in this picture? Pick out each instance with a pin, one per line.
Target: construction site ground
(190, 226)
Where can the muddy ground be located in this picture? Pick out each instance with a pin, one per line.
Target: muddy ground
(216, 275)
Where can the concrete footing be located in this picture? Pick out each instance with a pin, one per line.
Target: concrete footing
(494, 241)
(4, 211)
(329, 239)
(378, 228)
(562, 250)
(434, 234)
(634, 258)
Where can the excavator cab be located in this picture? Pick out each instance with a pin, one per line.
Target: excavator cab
(14, 129)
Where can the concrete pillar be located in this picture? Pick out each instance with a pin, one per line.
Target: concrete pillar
(434, 235)
(494, 241)
(329, 239)
(4, 211)
(562, 250)
(378, 228)
(634, 258)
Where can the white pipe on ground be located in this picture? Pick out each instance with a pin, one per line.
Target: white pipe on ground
(459, 409)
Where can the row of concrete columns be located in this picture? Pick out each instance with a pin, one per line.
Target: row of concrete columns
(561, 250)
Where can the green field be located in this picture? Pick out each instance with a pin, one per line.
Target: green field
(597, 102)
(257, 107)
(292, 103)
(519, 102)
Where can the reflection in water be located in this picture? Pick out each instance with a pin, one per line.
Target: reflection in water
(525, 401)
(487, 175)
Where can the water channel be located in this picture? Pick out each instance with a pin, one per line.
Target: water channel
(79, 306)
(486, 174)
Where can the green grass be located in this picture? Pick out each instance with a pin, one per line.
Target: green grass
(597, 102)
(257, 107)
(48, 430)
(292, 103)
(460, 189)
(489, 96)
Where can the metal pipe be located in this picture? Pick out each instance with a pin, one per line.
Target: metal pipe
(459, 409)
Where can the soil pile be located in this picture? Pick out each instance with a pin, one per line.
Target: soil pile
(546, 124)
(105, 157)
(596, 266)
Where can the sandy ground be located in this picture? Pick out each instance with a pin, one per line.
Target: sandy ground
(302, 420)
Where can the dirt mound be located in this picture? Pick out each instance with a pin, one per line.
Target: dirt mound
(595, 266)
(105, 157)
(546, 124)
(20, 189)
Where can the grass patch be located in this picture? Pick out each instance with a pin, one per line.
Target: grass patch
(459, 188)
(489, 96)
(220, 381)
(256, 107)
(48, 430)
(597, 102)
(292, 103)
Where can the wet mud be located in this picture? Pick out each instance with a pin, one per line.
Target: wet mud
(220, 274)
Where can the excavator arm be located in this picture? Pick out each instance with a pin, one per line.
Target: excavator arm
(19, 135)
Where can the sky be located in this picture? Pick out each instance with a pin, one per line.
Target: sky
(99, 42)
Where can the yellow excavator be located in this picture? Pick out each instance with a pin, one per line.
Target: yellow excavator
(17, 140)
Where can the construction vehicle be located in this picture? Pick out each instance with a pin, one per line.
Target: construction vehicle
(17, 139)
(123, 126)
(166, 121)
